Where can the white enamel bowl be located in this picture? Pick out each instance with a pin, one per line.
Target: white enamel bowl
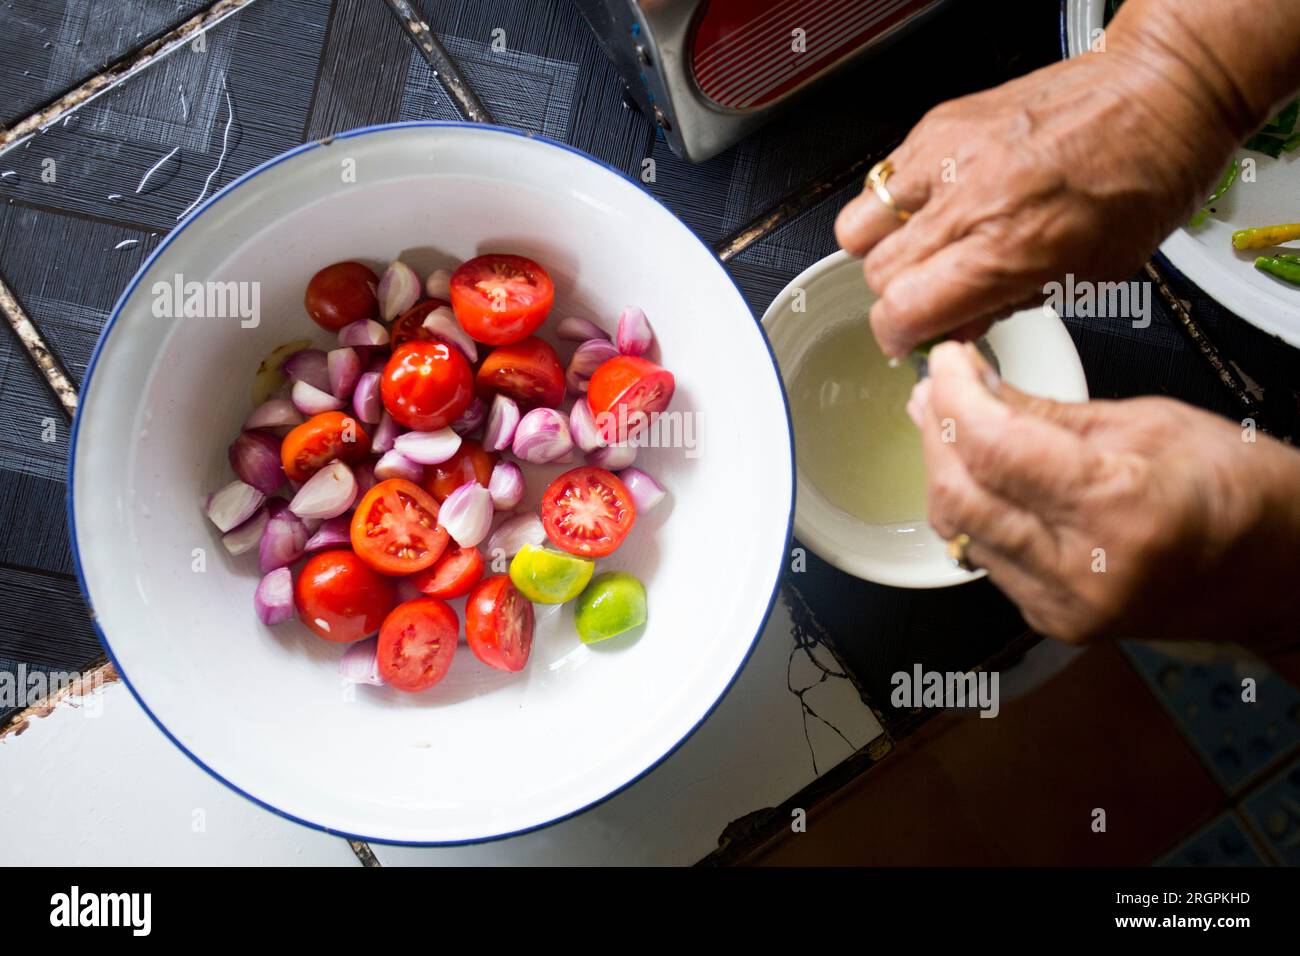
(1034, 352)
(484, 754)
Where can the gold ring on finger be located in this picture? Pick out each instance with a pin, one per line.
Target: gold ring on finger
(959, 551)
(876, 180)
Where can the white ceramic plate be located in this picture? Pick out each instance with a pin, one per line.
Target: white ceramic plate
(1034, 352)
(484, 754)
(1205, 254)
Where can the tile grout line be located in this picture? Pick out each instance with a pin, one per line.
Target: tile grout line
(796, 203)
(100, 672)
(440, 61)
(47, 363)
(117, 72)
(364, 853)
(1211, 353)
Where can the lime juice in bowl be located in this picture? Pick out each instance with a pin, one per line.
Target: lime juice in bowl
(853, 437)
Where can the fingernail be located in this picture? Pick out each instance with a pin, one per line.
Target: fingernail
(889, 345)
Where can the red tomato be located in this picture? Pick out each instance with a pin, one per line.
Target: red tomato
(499, 623)
(409, 326)
(528, 371)
(470, 463)
(624, 392)
(340, 598)
(319, 440)
(500, 299)
(588, 512)
(395, 528)
(416, 644)
(452, 575)
(426, 385)
(341, 294)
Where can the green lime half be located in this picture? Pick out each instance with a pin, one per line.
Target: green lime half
(614, 602)
(549, 577)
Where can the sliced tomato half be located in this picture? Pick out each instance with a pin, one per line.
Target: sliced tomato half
(500, 299)
(529, 372)
(395, 528)
(587, 511)
(625, 392)
(409, 326)
(417, 643)
(470, 463)
(311, 446)
(452, 575)
(499, 623)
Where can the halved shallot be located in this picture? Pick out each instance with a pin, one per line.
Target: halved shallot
(310, 366)
(284, 539)
(515, 532)
(344, 366)
(364, 333)
(399, 289)
(428, 448)
(466, 514)
(255, 458)
(634, 335)
(506, 486)
(590, 356)
(360, 663)
(310, 400)
(274, 413)
(502, 421)
(542, 436)
(234, 504)
(273, 599)
(327, 494)
(575, 329)
(645, 491)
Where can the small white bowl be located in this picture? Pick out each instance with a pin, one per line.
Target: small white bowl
(1035, 353)
(484, 754)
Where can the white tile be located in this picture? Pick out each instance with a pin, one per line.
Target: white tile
(96, 783)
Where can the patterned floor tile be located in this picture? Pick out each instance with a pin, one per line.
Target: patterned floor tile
(1236, 739)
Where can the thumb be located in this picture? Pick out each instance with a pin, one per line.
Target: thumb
(1026, 459)
(1078, 417)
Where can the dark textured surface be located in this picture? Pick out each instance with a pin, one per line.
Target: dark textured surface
(49, 46)
(282, 71)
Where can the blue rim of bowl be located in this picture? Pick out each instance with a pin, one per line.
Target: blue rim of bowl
(108, 328)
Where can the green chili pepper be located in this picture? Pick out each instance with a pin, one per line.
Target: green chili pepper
(1225, 183)
(1284, 267)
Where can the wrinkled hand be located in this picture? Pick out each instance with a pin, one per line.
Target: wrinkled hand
(1082, 167)
(1140, 518)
